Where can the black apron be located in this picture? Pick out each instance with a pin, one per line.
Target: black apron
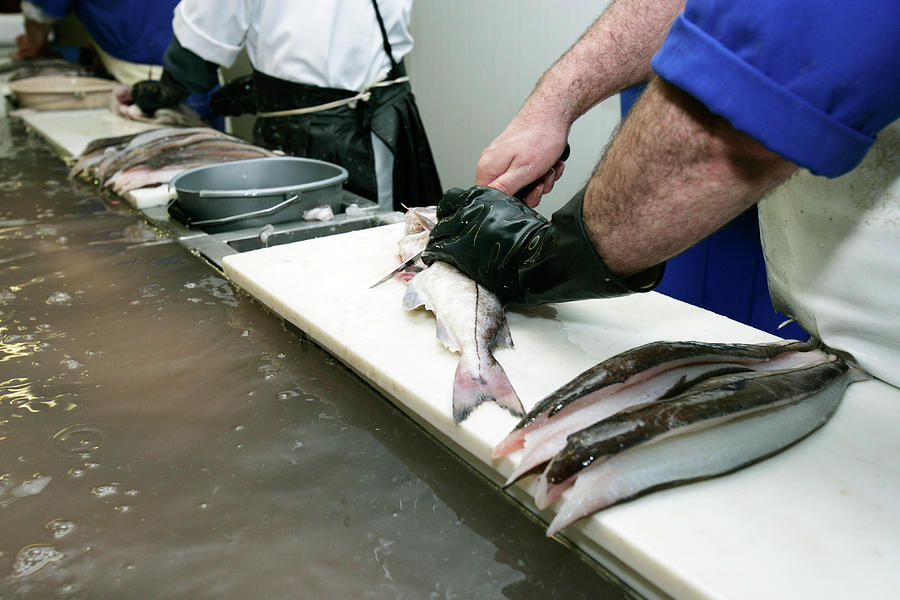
(342, 135)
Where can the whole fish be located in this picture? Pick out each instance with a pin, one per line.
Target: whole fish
(634, 366)
(470, 320)
(804, 400)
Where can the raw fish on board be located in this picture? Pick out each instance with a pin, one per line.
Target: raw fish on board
(470, 320)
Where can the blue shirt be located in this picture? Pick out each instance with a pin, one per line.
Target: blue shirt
(136, 31)
(812, 80)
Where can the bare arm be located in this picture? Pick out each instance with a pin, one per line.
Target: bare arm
(613, 54)
(674, 174)
(34, 42)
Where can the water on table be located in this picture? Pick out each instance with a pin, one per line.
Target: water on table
(163, 436)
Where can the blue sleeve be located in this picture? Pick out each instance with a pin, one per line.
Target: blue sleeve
(812, 80)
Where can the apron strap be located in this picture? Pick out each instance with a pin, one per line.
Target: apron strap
(384, 36)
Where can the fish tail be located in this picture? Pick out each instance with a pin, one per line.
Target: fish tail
(472, 386)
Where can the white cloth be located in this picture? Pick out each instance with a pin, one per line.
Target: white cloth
(333, 43)
(832, 249)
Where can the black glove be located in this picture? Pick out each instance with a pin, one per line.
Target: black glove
(152, 95)
(184, 73)
(516, 253)
(238, 97)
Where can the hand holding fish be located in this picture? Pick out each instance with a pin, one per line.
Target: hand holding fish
(516, 253)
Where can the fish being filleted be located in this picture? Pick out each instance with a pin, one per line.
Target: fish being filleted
(714, 428)
(635, 366)
(644, 374)
(470, 320)
(122, 104)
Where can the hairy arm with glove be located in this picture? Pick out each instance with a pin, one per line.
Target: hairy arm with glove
(673, 174)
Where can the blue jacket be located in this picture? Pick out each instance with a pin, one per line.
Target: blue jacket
(132, 30)
(813, 80)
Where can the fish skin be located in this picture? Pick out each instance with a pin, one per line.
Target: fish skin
(708, 453)
(632, 366)
(471, 321)
(712, 402)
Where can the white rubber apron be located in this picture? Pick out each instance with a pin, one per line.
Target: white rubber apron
(832, 249)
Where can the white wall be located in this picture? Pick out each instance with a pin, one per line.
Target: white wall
(474, 63)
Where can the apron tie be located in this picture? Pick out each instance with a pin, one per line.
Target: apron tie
(352, 101)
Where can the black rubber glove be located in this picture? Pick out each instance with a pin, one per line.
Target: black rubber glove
(516, 253)
(152, 95)
(184, 73)
(238, 97)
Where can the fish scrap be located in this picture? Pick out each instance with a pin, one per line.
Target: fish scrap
(470, 320)
(669, 413)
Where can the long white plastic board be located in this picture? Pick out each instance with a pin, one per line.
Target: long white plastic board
(818, 521)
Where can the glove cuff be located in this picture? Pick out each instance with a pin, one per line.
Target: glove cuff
(574, 270)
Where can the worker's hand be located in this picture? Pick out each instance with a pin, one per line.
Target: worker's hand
(151, 95)
(506, 246)
(527, 151)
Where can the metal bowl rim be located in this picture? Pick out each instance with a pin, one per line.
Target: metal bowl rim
(252, 192)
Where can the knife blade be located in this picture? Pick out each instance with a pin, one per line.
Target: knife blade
(404, 265)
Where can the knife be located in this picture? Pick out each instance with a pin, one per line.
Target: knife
(523, 193)
(404, 265)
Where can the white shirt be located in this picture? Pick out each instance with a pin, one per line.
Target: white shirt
(327, 43)
(832, 249)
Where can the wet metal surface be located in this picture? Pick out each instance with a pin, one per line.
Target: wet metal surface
(163, 436)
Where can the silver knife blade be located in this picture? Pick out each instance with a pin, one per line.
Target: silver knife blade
(404, 265)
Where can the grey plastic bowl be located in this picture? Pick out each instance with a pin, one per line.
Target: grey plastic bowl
(255, 192)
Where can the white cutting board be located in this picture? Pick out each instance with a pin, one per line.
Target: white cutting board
(70, 131)
(819, 521)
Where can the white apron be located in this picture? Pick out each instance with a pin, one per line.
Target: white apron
(832, 249)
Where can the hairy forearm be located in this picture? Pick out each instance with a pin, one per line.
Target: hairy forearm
(673, 175)
(613, 54)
